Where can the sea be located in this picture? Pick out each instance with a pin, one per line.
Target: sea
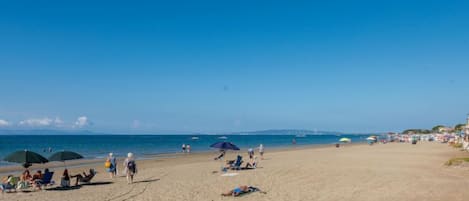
(146, 146)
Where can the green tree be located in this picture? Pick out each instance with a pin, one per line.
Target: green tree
(459, 127)
(436, 129)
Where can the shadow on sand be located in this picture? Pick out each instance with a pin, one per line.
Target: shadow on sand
(147, 181)
(97, 183)
(60, 188)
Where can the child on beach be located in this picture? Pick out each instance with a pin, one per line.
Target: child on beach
(130, 168)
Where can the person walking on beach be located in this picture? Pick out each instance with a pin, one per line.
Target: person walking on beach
(183, 148)
(251, 153)
(111, 165)
(130, 168)
(261, 151)
(188, 148)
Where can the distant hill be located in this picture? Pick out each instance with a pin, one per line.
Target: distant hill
(287, 132)
(46, 132)
(87, 132)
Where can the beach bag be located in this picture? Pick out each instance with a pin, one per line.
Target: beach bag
(107, 164)
(131, 166)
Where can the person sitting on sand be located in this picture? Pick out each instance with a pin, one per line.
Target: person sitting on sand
(222, 154)
(25, 180)
(252, 163)
(37, 179)
(6, 183)
(85, 177)
(241, 190)
(65, 180)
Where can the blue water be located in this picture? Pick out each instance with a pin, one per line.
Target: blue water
(98, 146)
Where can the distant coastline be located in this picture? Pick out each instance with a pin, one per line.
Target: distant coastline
(88, 132)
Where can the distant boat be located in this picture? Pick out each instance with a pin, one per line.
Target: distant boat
(222, 137)
(195, 138)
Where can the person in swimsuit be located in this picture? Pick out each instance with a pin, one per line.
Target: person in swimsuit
(237, 191)
(241, 190)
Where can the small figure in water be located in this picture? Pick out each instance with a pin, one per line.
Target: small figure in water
(293, 141)
(50, 149)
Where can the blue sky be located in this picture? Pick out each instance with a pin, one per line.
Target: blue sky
(218, 66)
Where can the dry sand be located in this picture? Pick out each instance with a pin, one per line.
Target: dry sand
(360, 172)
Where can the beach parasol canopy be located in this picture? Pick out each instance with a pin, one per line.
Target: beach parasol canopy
(65, 156)
(371, 138)
(224, 146)
(345, 140)
(25, 157)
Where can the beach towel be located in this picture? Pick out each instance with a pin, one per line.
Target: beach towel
(229, 174)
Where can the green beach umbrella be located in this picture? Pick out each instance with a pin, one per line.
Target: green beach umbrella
(65, 156)
(25, 157)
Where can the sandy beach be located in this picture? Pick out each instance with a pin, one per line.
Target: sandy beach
(355, 172)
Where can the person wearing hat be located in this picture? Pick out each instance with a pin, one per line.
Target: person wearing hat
(111, 165)
(130, 168)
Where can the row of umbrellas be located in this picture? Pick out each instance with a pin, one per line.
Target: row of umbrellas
(28, 157)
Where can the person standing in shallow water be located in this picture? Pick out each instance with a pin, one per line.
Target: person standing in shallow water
(183, 147)
(130, 168)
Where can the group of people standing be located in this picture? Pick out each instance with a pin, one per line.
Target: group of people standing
(130, 167)
(261, 151)
(186, 148)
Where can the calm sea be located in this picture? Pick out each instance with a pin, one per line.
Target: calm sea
(98, 146)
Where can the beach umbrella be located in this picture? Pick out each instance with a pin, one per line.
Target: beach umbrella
(224, 146)
(65, 156)
(25, 157)
(345, 140)
(371, 138)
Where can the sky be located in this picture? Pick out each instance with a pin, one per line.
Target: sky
(222, 66)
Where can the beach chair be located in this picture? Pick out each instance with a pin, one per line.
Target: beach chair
(23, 185)
(237, 164)
(10, 185)
(85, 179)
(47, 179)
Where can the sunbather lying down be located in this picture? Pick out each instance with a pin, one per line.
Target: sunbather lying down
(85, 177)
(242, 190)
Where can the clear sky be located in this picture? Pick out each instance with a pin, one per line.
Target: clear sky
(218, 66)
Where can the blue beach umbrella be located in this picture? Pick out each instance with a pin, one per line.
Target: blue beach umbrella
(224, 146)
